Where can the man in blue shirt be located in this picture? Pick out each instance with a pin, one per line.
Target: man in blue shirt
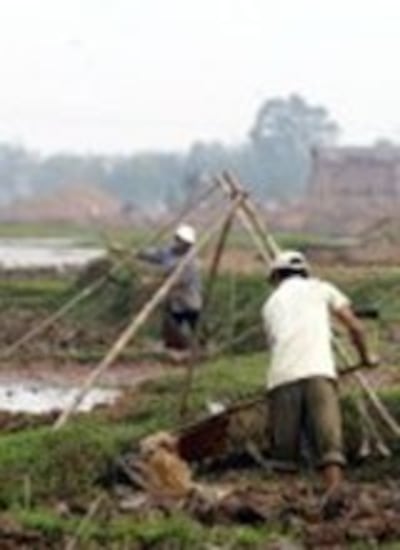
(184, 301)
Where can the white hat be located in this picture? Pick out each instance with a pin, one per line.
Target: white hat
(186, 233)
(291, 260)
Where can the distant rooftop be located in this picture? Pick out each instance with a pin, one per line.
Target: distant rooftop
(384, 152)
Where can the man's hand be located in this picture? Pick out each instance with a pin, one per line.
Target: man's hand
(347, 317)
(372, 361)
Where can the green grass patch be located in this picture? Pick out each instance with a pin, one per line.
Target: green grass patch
(234, 310)
(65, 464)
(175, 531)
(71, 464)
(89, 234)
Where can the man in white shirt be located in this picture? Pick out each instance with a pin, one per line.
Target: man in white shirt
(302, 378)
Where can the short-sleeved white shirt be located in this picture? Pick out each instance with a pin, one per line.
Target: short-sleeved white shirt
(297, 324)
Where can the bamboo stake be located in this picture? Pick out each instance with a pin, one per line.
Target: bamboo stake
(378, 405)
(250, 210)
(373, 398)
(371, 428)
(215, 262)
(188, 382)
(232, 309)
(213, 270)
(244, 220)
(132, 329)
(189, 208)
(49, 321)
(253, 217)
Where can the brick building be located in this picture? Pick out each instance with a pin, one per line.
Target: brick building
(352, 188)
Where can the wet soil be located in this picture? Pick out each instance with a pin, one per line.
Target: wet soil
(124, 376)
(68, 372)
(365, 513)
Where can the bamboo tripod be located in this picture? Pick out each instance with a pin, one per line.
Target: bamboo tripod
(139, 320)
(244, 209)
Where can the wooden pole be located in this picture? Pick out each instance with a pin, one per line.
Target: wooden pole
(378, 405)
(132, 329)
(250, 210)
(49, 321)
(244, 220)
(369, 428)
(214, 265)
(380, 408)
(188, 382)
(190, 207)
(232, 309)
(215, 262)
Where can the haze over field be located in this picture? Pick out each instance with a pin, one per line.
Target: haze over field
(126, 75)
(142, 98)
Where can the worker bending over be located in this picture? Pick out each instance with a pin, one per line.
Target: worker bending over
(302, 378)
(183, 304)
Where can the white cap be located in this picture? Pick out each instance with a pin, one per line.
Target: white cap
(186, 233)
(291, 260)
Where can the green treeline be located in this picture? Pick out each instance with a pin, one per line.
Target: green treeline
(273, 159)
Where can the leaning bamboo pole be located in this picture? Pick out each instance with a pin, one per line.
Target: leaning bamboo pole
(370, 429)
(257, 228)
(214, 265)
(194, 343)
(380, 408)
(243, 218)
(52, 319)
(216, 259)
(138, 321)
(213, 270)
(251, 212)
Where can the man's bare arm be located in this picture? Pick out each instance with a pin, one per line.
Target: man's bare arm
(357, 335)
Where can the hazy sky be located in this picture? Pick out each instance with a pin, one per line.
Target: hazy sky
(123, 75)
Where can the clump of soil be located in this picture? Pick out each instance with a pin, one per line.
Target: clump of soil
(368, 512)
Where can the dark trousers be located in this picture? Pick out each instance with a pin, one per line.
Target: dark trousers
(306, 409)
(179, 328)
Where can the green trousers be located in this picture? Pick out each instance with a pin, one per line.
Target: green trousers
(306, 410)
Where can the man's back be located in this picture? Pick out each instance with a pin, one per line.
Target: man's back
(297, 323)
(187, 292)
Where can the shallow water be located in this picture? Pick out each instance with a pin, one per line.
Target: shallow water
(59, 254)
(37, 398)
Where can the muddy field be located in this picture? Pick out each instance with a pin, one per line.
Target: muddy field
(49, 482)
(279, 512)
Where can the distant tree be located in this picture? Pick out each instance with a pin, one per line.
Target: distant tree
(65, 169)
(274, 162)
(146, 179)
(283, 134)
(385, 144)
(204, 159)
(16, 167)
